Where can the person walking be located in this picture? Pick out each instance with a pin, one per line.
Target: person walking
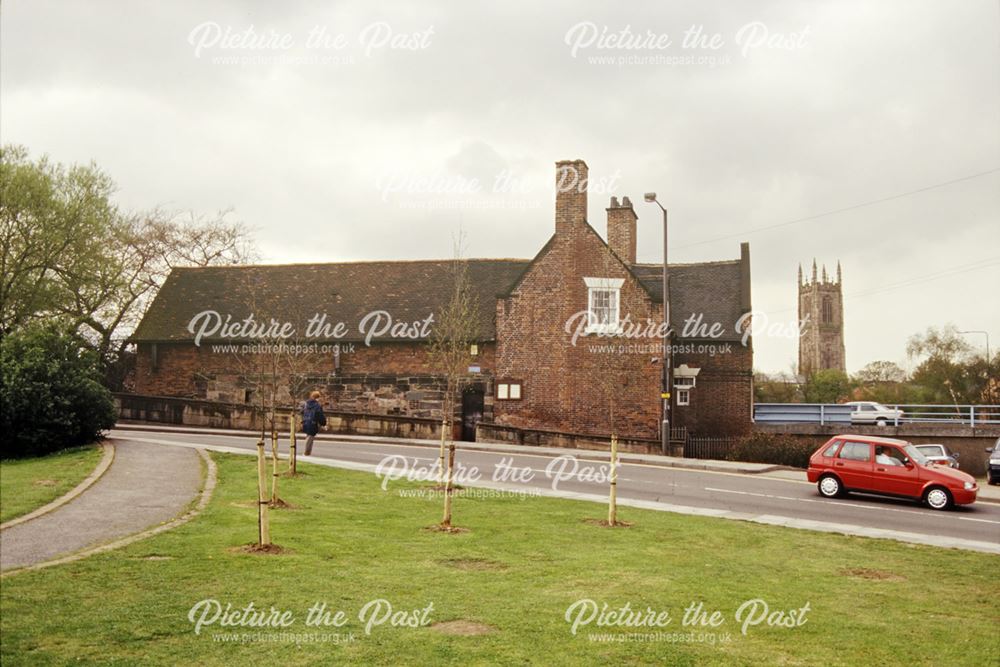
(312, 419)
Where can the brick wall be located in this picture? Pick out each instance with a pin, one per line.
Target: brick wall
(567, 387)
(721, 402)
(571, 387)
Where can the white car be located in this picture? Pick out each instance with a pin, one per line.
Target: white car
(870, 412)
(939, 454)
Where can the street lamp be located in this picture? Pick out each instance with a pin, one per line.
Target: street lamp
(668, 365)
(974, 331)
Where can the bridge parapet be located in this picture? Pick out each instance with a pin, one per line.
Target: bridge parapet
(968, 441)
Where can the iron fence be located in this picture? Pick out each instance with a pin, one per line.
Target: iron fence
(700, 447)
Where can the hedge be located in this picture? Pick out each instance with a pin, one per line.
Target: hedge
(51, 396)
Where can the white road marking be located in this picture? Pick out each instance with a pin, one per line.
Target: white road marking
(788, 522)
(841, 502)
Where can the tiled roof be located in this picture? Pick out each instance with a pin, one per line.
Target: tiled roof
(408, 291)
(711, 289)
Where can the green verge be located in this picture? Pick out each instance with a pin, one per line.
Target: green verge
(27, 484)
(522, 563)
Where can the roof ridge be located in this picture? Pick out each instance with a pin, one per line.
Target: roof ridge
(655, 265)
(354, 263)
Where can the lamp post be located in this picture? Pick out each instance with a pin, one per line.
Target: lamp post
(667, 354)
(975, 331)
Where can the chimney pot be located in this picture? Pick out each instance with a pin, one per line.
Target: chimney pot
(622, 230)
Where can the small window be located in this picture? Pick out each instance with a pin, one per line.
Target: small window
(856, 451)
(684, 381)
(473, 350)
(831, 451)
(683, 397)
(508, 390)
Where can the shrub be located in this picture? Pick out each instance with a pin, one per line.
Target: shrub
(773, 448)
(51, 396)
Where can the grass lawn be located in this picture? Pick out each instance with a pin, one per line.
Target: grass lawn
(523, 563)
(27, 484)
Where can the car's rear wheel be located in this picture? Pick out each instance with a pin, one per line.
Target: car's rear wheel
(990, 479)
(830, 487)
(880, 421)
(938, 498)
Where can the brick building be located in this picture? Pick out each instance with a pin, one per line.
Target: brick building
(567, 341)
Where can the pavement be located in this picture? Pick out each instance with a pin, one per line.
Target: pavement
(723, 489)
(145, 485)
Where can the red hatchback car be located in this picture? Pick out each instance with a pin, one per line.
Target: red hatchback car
(887, 467)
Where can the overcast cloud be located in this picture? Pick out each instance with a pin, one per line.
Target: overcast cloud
(853, 102)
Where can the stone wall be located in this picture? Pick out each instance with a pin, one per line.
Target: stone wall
(212, 414)
(511, 435)
(386, 378)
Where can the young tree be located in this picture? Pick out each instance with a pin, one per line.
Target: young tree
(450, 345)
(611, 376)
(276, 372)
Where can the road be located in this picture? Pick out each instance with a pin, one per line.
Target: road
(759, 498)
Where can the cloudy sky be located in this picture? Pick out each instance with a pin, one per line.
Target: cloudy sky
(345, 131)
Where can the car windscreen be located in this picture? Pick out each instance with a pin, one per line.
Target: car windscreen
(916, 455)
(930, 450)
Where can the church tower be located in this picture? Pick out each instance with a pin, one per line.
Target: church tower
(821, 319)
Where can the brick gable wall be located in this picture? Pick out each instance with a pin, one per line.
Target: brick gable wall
(566, 387)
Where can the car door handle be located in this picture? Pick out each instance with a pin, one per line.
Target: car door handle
(880, 469)
(838, 464)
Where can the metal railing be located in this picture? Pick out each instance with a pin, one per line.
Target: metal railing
(831, 413)
(699, 447)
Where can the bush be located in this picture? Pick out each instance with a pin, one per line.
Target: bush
(773, 448)
(52, 397)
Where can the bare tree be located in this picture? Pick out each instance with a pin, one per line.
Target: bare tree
(611, 376)
(450, 344)
(276, 372)
(146, 247)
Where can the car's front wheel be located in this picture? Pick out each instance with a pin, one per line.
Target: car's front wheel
(990, 479)
(938, 498)
(881, 421)
(830, 487)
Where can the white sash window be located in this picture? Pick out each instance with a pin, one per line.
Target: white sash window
(603, 304)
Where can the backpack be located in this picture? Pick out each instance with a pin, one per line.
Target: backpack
(309, 417)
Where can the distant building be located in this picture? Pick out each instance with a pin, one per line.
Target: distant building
(821, 314)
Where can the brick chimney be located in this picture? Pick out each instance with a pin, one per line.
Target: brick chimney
(621, 229)
(571, 195)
